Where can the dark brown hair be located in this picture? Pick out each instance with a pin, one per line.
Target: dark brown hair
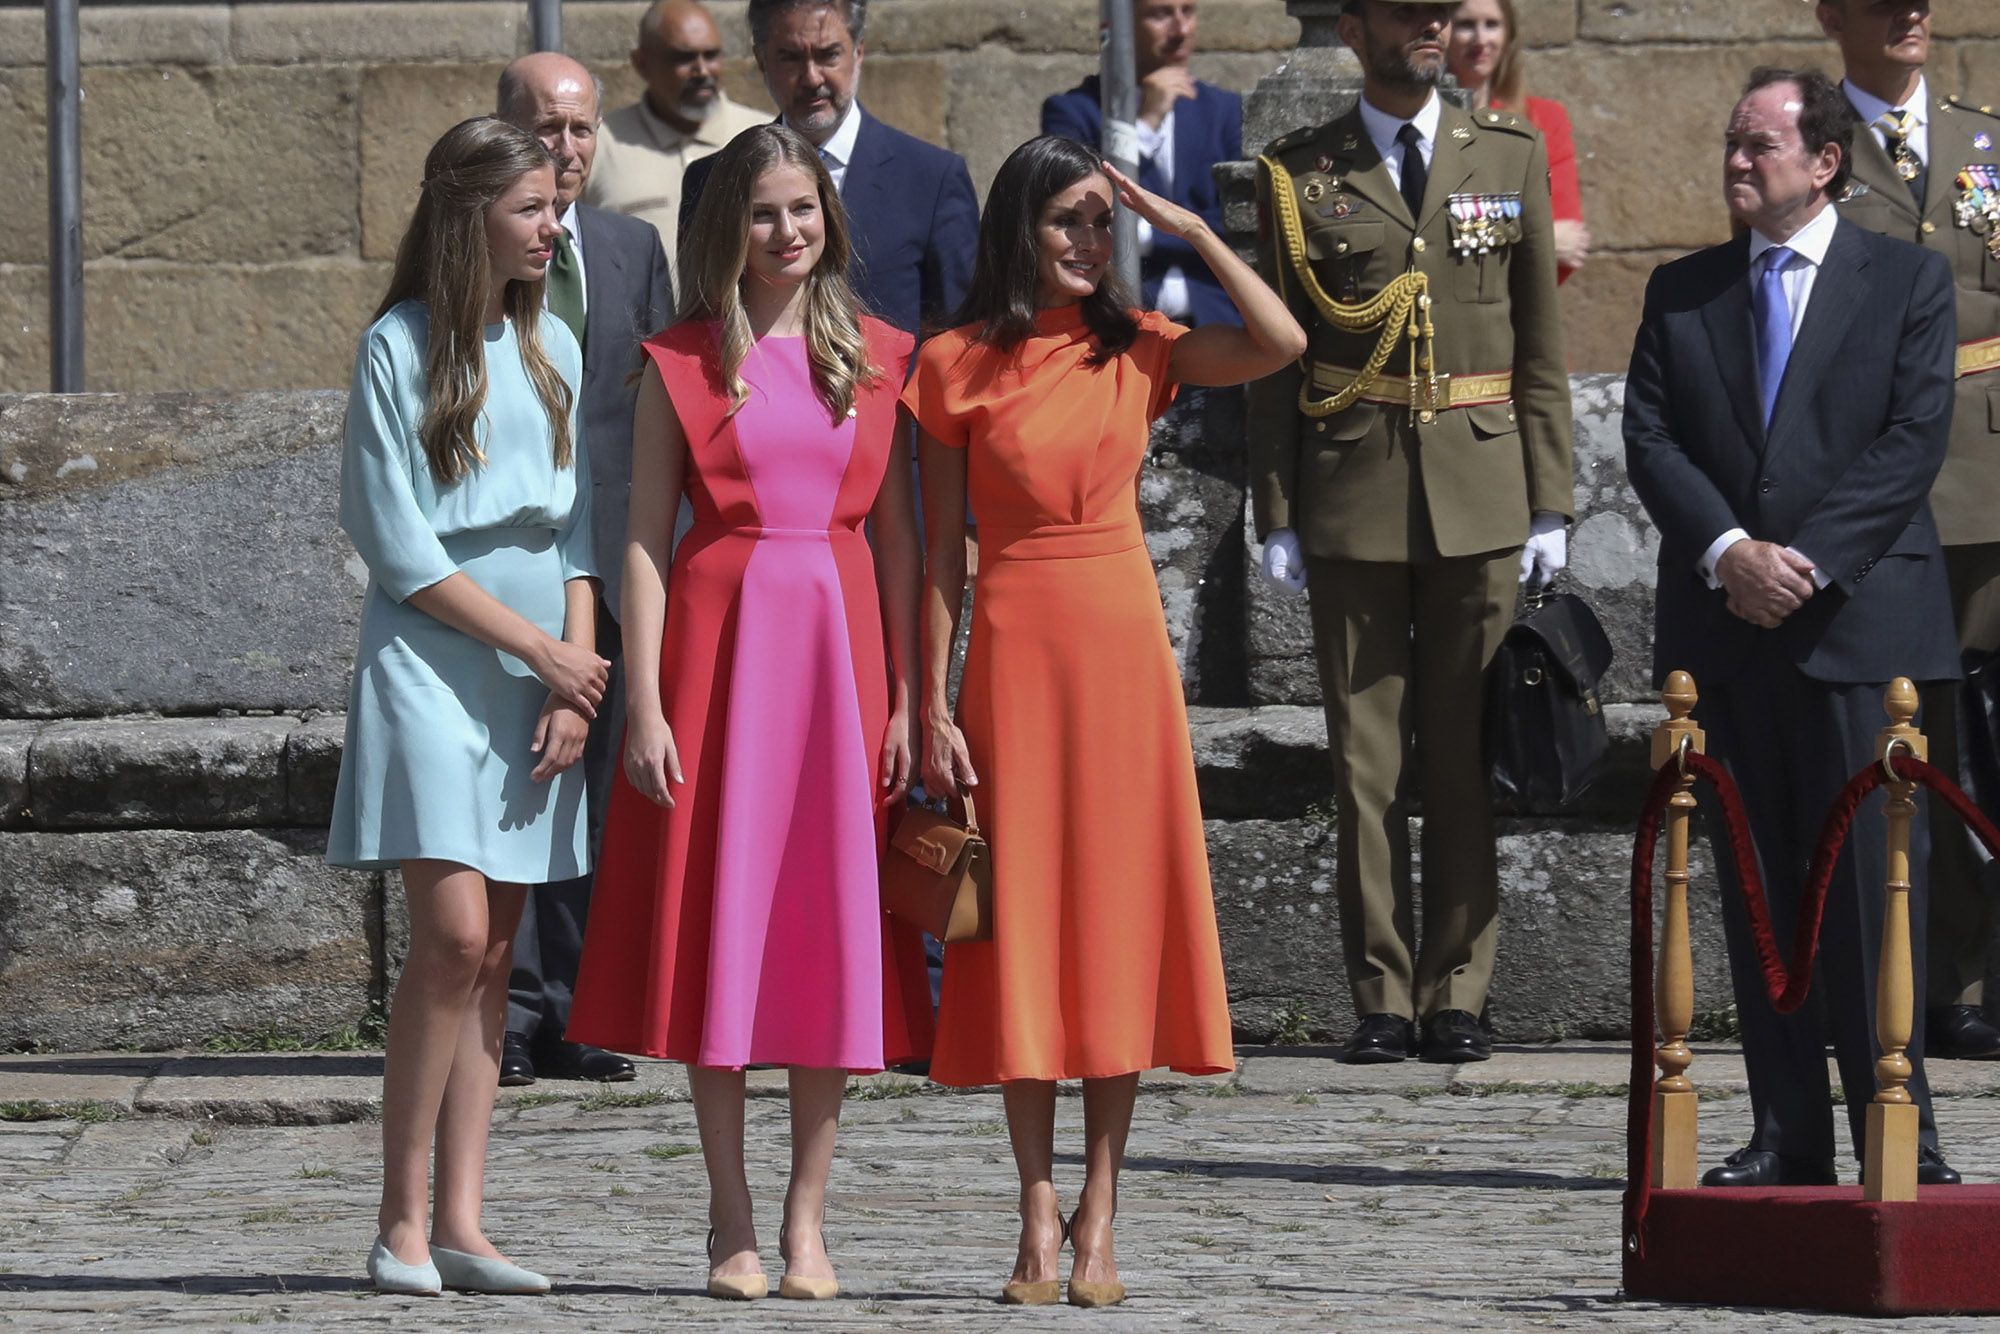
(1824, 115)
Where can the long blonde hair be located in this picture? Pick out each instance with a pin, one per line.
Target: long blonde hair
(715, 252)
(443, 261)
(1508, 86)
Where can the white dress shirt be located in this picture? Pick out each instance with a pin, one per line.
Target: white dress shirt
(1157, 147)
(1808, 246)
(1382, 130)
(838, 150)
(1872, 109)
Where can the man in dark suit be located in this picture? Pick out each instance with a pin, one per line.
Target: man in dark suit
(1918, 163)
(910, 205)
(1785, 416)
(1185, 128)
(609, 282)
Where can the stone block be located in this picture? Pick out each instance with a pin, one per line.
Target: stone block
(224, 165)
(312, 768)
(189, 773)
(1242, 25)
(161, 938)
(1601, 304)
(16, 740)
(192, 326)
(404, 108)
(218, 583)
(1031, 26)
(1614, 548)
(1649, 121)
(1562, 967)
(1980, 62)
(1189, 499)
(359, 34)
(1547, 22)
(908, 92)
(123, 35)
(994, 103)
(1712, 21)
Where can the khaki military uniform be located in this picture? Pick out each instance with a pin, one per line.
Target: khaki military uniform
(1960, 218)
(1411, 503)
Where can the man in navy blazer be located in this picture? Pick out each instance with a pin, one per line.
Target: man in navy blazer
(1786, 413)
(1185, 128)
(913, 214)
(619, 292)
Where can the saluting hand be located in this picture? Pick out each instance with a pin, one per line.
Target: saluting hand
(1163, 214)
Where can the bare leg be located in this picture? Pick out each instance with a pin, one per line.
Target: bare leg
(1031, 1126)
(816, 1096)
(1107, 1120)
(718, 1110)
(466, 1115)
(448, 935)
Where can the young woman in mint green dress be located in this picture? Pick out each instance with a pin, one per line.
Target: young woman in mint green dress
(462, 488)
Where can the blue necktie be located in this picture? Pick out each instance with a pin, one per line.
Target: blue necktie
(1774, 327)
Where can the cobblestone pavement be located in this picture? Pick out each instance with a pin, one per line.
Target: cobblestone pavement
(1298, 1195)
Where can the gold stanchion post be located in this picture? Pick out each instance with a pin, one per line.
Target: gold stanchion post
(1889, 1163)
(1674, 1101)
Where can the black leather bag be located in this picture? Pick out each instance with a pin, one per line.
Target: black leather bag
(1545, 734)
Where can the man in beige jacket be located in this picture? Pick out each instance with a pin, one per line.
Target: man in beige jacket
(644, 149)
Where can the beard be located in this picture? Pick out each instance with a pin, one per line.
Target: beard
(1395, 66)
(692, 108)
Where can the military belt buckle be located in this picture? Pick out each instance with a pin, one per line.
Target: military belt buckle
(1431, 393)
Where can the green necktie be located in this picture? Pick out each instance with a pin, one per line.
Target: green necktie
(566, 286)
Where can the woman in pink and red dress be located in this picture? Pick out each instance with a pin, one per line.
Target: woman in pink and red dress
(738, 916)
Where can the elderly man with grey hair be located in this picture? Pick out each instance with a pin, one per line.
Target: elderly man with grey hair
(609, 282)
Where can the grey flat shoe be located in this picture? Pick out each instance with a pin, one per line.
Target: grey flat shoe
(389, 1274)
(475, 1273)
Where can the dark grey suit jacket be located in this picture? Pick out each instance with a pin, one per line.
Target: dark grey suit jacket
(1842, 475)
(629, 297)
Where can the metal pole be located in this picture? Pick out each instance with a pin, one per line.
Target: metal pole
(1118, 93)
(65, 200)
(545, 24)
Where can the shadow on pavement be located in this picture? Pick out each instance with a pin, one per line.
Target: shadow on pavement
(196, 1065)
(1340, 1174)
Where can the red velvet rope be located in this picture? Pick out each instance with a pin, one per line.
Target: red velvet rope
(1786, 986)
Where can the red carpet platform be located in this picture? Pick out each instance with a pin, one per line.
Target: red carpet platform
(1822, 1248)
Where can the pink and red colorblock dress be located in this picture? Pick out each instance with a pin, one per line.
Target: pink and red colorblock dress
(744, 926)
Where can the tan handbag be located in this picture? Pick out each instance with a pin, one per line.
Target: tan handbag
(938, 875)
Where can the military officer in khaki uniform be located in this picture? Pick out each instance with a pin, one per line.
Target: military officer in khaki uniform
(1927, 169)
(1408, 473)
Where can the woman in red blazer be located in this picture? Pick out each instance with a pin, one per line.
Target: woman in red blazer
(1485, 59)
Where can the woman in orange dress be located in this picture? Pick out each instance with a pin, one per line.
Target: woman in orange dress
(1104, 959)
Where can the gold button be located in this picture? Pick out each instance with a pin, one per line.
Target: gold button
(1929, 227)
(1320, 427)
(1418, 245)
(1340, 249)
(1427, 417)
(1492, 118)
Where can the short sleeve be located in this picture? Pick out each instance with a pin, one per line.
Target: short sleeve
(378, 501)
(936, 394)
(1153, 352)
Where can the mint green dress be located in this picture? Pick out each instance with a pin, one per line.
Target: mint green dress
(439, 725)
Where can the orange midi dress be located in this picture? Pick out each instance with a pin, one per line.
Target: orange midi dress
(1104, 958)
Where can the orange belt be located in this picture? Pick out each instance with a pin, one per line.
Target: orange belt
(1981, 354)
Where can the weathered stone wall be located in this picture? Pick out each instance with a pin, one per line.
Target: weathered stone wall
(249, 167)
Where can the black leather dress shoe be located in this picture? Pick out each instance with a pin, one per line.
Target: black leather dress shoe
(1379, 1039)
(1761, 1167)
(1933, 1170)
(575, 1060)
(517, 1067)
(1960, 1033)
(1453, 1037)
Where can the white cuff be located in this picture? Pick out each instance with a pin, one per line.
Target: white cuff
(1705, 567)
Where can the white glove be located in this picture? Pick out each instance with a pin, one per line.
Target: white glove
(1547, 551)
(1284, 563)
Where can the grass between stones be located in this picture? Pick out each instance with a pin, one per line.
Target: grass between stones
(34, 1109)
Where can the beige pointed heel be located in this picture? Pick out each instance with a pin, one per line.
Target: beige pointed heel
(1041, 1292)
(1082, 1293)
(735, 1287)
(798, 1287)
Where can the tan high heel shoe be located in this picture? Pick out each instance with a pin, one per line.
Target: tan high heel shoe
(734, 1287)
(798, 1287)
(1041, 1292)
(1083, 1292)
